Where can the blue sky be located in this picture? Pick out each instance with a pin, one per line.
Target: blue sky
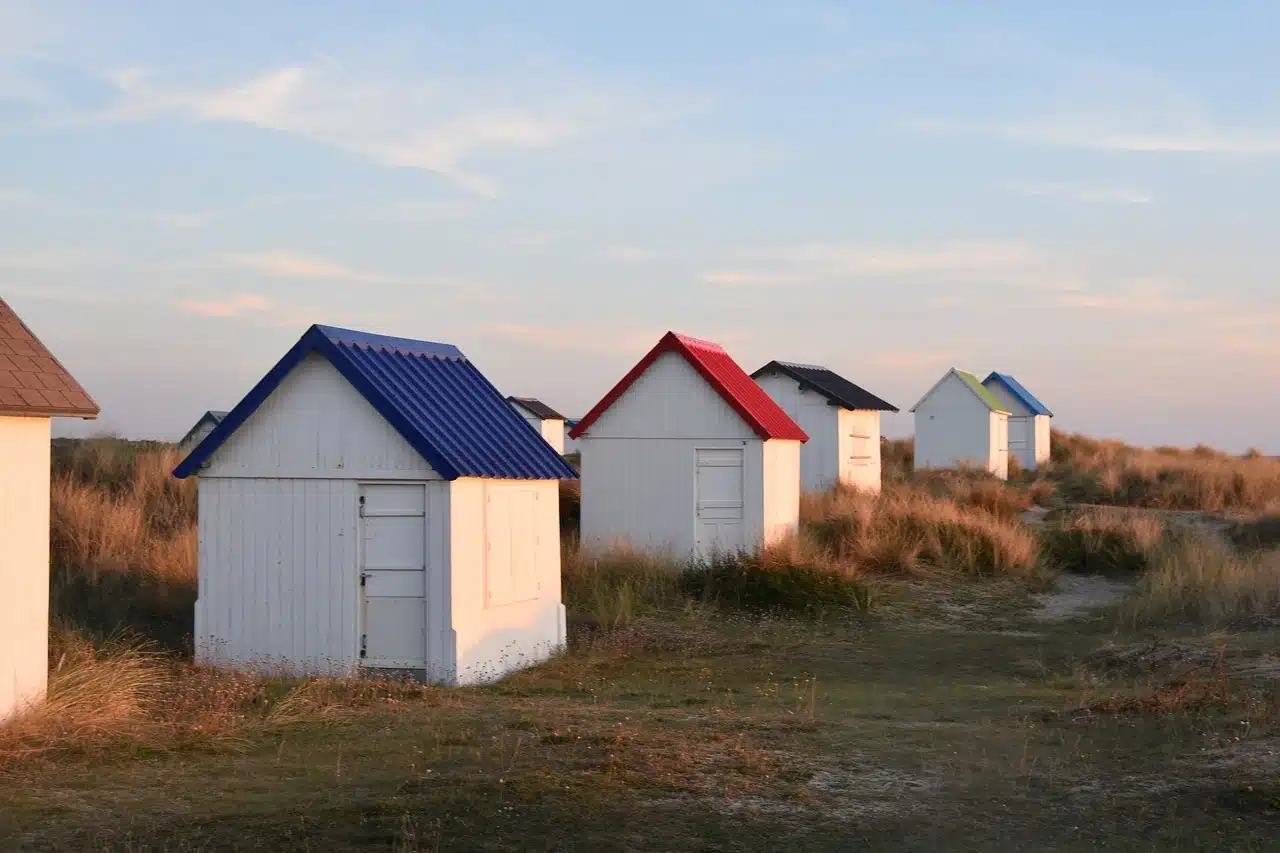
(1083, 196)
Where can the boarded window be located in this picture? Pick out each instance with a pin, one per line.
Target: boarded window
(511, 565)
(863, 449)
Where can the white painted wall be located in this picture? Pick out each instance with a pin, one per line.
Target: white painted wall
(1044, 439)
(641, 492)
(859, 451)
(279, 582)
(505, 576)
(24, 562)
(671, 400)
(781, 488)
(551, 430)
(954, 427)
(820, 456)
(315, 425)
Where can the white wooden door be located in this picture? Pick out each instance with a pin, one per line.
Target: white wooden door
(393, 576)
(720, 501)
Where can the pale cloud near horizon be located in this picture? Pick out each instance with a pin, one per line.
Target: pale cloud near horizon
(1086, 194)
(1109, 135)
(988, 262)
(437, 125)
(574, 338)
(287, 264)
(232, 306)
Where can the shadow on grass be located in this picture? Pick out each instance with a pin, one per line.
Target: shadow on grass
(151, 608)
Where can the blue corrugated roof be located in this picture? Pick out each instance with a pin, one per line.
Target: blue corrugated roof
(1022, 395)
(434, 397)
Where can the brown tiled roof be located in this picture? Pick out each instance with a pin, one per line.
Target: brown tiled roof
(32, 381)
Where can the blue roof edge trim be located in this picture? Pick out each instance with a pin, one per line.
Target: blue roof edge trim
(1019, 392)
(326, 340)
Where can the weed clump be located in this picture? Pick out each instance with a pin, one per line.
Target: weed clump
(1111, 542)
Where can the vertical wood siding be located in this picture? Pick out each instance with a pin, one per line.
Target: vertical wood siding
(641, 492)
(278, 584)
(820, 456)
(954, 427)
(24, 562)
(315, 425)
(671, 400)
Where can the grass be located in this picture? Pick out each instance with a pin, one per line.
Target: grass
(1203, 581)
(1087, 470)
(919, 706)
(908, 530)
(1112, 542)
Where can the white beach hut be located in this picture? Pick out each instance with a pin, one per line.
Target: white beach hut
(841, 419)
(688, 456)
(547, 421)
(34, 387)
(200, 430)
(375, 503)
(959, 422)
(1030, 421)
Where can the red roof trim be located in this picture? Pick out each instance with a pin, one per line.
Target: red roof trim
(765, 417)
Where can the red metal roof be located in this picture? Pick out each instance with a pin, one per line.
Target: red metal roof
(765, 417)
(32, 381)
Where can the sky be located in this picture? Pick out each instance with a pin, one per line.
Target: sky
(1084, 195)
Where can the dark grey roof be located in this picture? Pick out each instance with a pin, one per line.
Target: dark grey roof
(838, 390)
(538, 408)
(211, 417)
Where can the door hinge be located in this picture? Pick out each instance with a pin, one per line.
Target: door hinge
(363, 577)
(362, 506)
(364, 645)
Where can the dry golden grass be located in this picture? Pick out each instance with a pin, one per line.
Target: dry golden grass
(1110, 541)
(1201, 580)
(906, 529)
(1109, 472)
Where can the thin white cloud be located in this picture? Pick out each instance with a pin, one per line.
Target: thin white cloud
(1109, 135)
(635, 254)
(232, 306)
(1146, 298)
(748, 278)
(291, 265)
(576, 339)
(1087, 195)
(956, 262)
(439, 125)
(52, 260)
(9, 195)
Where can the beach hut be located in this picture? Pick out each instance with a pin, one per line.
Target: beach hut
(200, 431)
(570, 443)
(688, 456)
(375, 504)
(960, 423)
(1030, 421)
(547, 421)
(34, 388)
(841, 419)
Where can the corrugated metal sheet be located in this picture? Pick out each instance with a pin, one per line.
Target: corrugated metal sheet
(430, 392)
(1018, 392)
(731, 382)
(24, 569)
(834, 387)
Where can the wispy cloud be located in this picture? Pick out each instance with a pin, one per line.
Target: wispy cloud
(576, 339)
(989, 262)
(636, 254)
(439, 125)
(232, 306)
(1142, 298)
(909, 359)
(291, 265)
(1110, 135)
(52, 260)
(1087, 195)
(9, 195)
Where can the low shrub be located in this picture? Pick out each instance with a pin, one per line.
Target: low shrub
(1104, 542)
(788, 578)
(1256, 534)
(611, 588)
